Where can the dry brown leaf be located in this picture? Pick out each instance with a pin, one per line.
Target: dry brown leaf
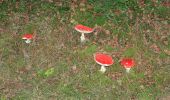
(89, 7)
(155, 48)
(166, 4)
(142, 3)
(164, 39)
(1, 1)
(17, 5)
(117, 12)
(26, 18)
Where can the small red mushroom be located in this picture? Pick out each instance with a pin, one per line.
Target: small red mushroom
(127, 63)
(83, 29)
(103, 60)
(27, 37)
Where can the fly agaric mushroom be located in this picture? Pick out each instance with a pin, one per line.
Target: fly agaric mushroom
(103, 60)
(83, 30)
(127, 63)
(27, 38)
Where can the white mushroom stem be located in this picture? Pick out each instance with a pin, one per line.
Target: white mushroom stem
(103, 69)
(127, 70)
(82, 37)
(27, 41)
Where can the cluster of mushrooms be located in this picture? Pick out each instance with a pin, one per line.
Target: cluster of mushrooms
(106, 60)
(100, 58)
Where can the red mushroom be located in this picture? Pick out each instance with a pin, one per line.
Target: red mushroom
(127, 63)
(103, 60)
(83, 29)
(27, 37)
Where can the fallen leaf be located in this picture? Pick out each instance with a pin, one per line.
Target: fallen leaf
(117, 12)
(166, 4)
(107, 32)
(17, 5)
(26, 18)
(167, 52)
(155, 48)
(82, 9)
(23, 70)
(142, 3)
(1, 1)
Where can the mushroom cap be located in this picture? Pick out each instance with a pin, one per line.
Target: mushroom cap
(103, 59)
(83, 29)
(127, 62)
(27, 36)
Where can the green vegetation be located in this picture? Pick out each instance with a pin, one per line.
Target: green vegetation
(56, 66)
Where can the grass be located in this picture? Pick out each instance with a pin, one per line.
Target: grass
(57, 66)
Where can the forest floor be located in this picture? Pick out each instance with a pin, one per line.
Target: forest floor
(56, 65)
